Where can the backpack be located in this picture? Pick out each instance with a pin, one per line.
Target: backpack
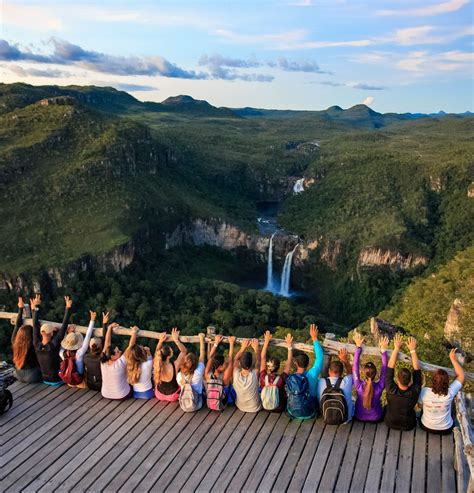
(333, 404)
(216, 397)
(270, 394)
(300, 403)
(68, 370)
(189, 399)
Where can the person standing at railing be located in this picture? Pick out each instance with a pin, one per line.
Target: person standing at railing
(47, 340)
(437, 400)
(368, 406)
(401, 396)
(27, 368)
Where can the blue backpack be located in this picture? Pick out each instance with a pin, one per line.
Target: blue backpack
(300, 403)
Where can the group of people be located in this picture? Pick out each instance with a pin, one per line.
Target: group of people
(250, 378)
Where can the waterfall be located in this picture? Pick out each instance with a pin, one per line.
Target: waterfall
(286, 274)
(298, 187)
(270, 284)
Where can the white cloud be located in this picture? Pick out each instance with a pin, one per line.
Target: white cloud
(29, 17)
(422, 62)
(435, 9)
(368, 100)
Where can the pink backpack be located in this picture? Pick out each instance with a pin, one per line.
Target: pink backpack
(215, 394)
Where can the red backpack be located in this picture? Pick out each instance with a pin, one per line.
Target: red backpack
(68, 370)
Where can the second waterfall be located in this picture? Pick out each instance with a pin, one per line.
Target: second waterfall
(286, 273)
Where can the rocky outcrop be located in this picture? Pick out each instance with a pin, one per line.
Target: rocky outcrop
(452, 325)
(328, 252)
(470, 190)
(58, 277)
(378, 257)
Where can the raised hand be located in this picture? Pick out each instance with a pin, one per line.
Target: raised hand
(93, 315)
(105, 318)
(71, 328)
(267, 337)
(35, 302)
(202, 337)
(343, 355)
(218, 340)
(397, 341)
(113, 325)
(245, 344)
(383, 343)
(358, 339)
(411, 344)
(134, 329)
(289, 340)
(231, 340)
(162, 337)
(452, 354)
(68, 301)
(21, 303)
(175, 334)
(255, 345)
(313, 332)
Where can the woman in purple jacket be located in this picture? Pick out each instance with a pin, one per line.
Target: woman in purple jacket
(368, 406)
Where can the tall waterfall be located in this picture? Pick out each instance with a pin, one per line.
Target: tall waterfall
(298, 187)
(286, 274)
(270, 283)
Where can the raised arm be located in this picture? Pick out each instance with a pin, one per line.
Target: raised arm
(108, 337)
(58, 337)
(397, 344)
(34, 304)
(90, 331)
(105, 321)
(243, 346)
(230, 362)
(344, 357)
(359, 342)
(202, 347)
(161, 341)
(315, 370)
(181, 347)
(289, 343)
(210, 356)
(458, 369)
(263, 357)
(133, 337)
(256, 348)
(383, 345)
(19, 318)
(411, 344)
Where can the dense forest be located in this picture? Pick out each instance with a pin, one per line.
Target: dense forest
(386, 219)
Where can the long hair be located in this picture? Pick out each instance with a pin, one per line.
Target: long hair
(160, 357)
(136, 355)
(440, 382)
(189, 364)
(216, 362)
(370, 371)
(23, 341)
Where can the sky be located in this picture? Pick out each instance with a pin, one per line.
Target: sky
(400, 55)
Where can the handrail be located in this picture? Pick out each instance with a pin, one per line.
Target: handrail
(464, 448)
(330, 346)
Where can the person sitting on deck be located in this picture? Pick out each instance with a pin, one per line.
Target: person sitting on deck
(273, 393)
(368, 406)
(401, 396)
(92, 371)
(164, 371)
(139, 368)
(335, 391)
(27, 369)
(73, 349)
(245, 377)
(191, 378)
(47, 339)
(218, 375)
(437, 400)
(113, 366)
(301, 386)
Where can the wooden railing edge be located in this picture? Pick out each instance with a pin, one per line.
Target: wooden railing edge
(463, 446)
(330, 345)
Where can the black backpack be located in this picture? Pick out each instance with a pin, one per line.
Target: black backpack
(333, 404)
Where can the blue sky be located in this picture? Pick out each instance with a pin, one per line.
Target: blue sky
(401, 55)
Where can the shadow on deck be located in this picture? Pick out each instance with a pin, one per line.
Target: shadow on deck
(65, 439)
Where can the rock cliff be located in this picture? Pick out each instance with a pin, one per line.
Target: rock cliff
(375, 257)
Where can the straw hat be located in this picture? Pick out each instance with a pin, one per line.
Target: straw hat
(72, 341)
(48, 328)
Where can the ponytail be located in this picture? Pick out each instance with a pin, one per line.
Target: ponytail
(160, 357)
(368, 394)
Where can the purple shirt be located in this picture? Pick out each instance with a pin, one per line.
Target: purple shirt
(375, 413)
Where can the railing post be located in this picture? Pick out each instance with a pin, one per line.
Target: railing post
(210, 333)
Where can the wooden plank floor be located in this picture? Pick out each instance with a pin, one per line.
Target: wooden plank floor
(63, 439)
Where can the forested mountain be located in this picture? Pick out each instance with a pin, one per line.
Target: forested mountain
(95, 180)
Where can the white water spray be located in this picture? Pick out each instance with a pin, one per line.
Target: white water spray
(270, 283)
(286, 274)
(298, 187)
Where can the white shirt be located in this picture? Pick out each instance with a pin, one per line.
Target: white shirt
(346, 387)
(144, 382)
(437, 408)
(114, 379)
(246, 391)
(197, 378)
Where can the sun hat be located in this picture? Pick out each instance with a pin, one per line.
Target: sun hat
(72, 341)
(48, 328)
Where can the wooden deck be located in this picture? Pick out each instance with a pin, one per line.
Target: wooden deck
(64, 439)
